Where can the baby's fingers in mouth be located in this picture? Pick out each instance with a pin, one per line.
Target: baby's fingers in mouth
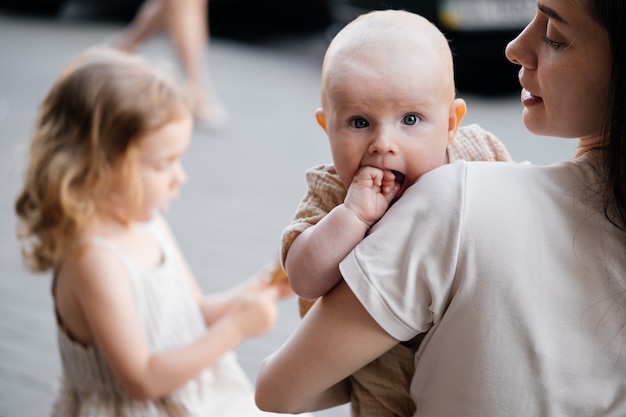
(399, 177)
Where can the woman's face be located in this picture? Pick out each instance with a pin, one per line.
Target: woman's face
(565, 71)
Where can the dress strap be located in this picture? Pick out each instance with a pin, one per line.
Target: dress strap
(117, 252)
(166, 250)
(103, 243)
(99, 241)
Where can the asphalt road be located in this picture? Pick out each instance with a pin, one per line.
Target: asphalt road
(245, 181)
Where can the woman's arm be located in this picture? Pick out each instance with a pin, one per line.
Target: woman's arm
(335, 338)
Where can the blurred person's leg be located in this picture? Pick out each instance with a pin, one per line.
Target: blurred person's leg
(187, 23)
(149, 20)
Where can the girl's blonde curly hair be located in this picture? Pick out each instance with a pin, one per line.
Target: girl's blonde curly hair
(101, 104)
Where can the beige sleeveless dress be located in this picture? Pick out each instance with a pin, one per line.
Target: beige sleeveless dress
(170, 317)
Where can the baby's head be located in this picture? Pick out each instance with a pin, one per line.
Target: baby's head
(388, 96)
(87, 130)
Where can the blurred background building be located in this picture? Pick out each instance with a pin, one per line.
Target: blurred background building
(477, 29)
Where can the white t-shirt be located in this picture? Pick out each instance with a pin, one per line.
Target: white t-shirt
(519, 281)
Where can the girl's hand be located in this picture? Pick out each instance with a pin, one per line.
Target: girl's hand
(284, 289)
(255, 311)
(218, 305)
(278, 277)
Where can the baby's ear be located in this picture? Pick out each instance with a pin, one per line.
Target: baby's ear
(457, 112)
(319, 116)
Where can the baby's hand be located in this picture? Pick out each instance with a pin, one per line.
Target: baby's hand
(370, 193)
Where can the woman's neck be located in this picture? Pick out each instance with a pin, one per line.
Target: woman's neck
(586, 145)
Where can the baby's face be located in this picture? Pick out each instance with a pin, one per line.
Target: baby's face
(389, 114)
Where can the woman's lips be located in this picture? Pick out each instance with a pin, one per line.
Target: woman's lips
(528, 99)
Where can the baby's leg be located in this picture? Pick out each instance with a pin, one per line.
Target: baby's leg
(304, 305)
(381, 388)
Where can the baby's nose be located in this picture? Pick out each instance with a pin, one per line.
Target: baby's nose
(383, 141)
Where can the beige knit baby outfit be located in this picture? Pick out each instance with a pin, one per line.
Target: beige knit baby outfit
(381, 388)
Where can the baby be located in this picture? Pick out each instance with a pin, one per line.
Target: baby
(391, 114)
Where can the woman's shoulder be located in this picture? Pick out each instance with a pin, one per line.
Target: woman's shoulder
(463, 177)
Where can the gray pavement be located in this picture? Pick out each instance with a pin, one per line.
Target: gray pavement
(244, 181)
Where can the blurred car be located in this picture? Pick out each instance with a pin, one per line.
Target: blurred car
(250, 18)
(478, 30)
(234, 18)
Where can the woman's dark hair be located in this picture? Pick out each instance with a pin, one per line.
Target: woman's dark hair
(611, 14)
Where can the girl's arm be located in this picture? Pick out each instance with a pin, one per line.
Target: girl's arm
(312, 262)
(101, 285)
(215, 305)
(336, 338)
(212, 307)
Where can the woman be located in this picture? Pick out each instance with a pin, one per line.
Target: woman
(514, 273)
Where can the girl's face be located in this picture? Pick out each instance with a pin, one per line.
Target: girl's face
(565, 71)
(158, 168)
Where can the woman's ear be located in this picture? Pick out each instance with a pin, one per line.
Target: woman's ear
(457, 112)
(319, 116)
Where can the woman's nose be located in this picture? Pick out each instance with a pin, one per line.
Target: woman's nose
(509, 52)
(518, 51)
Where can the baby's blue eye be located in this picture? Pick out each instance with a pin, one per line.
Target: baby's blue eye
(359, 123)
(410, 119)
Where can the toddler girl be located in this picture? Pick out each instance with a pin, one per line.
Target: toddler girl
(136, 335)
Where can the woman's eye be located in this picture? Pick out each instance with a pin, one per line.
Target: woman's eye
(410, 119)
(551, 43)
(359, 123)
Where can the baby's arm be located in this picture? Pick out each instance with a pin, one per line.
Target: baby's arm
(312, 261)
